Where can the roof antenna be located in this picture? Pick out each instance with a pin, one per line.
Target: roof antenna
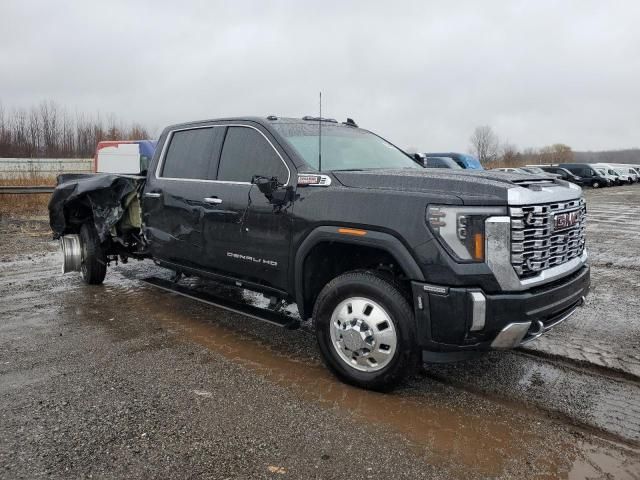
(320, 136)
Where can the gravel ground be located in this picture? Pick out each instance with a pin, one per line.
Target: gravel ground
(606, 332)
(124, 380)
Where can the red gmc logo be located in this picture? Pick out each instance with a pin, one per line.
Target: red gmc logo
(565, 220)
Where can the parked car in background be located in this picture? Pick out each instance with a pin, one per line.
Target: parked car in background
(468, 162)
(564, 174)
(633, 174)
(589, 175)
(538, 171)
(440, 162)
(611, 180)
(632, 171)
(614, 173)
(624, 175)
(123, 156)
(621, 176)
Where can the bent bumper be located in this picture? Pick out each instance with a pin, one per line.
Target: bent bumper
(457, 319)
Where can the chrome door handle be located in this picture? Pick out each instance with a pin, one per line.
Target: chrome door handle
(152, 195)
(213, 200)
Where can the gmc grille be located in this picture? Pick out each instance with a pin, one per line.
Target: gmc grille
(535, 243)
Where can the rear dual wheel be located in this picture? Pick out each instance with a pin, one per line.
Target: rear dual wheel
(94, 258)
(365, 330)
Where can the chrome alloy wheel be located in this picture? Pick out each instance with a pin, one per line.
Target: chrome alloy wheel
(363, 334)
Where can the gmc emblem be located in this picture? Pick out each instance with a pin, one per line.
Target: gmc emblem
(565, 220)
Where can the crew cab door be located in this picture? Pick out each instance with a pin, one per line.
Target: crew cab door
(180, 192)
(252, 242)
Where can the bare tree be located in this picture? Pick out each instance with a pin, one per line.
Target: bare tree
(509, 155)
(20, 134)
(137, 132)
(50, 133)
(484, 144)
(5, 136)
(48, 130)
(556, 153)
(35, 133)
(67, 135)
(114, 131)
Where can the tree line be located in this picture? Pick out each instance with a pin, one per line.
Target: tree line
(47, 130)
(492, 152)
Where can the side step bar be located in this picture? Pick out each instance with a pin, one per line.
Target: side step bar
(269, 316)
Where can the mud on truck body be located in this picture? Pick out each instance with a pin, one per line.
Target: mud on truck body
(393, 262)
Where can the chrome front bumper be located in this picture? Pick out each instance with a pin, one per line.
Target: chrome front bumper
(521, 333)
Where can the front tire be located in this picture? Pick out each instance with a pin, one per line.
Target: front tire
(365, 330)
(94, 259)
(595, 184)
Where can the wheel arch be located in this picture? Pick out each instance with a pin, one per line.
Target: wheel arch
(330, 238)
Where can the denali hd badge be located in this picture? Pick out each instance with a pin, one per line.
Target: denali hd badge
(313, 180)
(565, 220)
(249, 258)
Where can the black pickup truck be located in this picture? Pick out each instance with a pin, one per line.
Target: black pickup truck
(393, 262)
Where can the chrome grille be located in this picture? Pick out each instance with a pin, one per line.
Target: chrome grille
(535, 246)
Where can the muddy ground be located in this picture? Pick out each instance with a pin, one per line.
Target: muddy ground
(125, 380)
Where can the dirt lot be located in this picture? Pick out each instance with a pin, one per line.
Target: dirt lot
(124, 380)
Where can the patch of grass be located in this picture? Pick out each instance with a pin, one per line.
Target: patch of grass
(26, 205)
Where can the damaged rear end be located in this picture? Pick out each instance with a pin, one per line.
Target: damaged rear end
(107, 206)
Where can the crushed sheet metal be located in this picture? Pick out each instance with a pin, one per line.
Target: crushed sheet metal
(103, 194)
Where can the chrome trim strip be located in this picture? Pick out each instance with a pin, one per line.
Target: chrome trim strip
(479, 310)
(511, 336)
(557, 322)
(558, 192)
(436, 289)
(199, 127)
(498, 252)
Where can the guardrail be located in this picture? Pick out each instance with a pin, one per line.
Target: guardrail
(25, 189)
(35, 168)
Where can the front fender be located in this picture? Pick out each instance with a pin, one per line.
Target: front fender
(370, 238)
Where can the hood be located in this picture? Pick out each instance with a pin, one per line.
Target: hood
(473, 187)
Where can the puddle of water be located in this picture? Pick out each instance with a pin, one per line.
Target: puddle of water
(596, 464)
(487, 439)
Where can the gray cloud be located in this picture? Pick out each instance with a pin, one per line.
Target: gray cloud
(421, 74)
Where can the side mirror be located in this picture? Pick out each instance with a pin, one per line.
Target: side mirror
(266, 185)
(271, 189)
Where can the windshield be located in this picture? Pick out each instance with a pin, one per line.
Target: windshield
(343, 148)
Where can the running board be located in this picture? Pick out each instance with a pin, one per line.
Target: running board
(269, 316)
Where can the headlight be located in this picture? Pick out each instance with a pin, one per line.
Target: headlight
(461, 229)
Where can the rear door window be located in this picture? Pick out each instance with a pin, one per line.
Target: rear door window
(193, 154)
(246, 152)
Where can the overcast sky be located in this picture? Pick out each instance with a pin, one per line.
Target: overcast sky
(421, 74)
